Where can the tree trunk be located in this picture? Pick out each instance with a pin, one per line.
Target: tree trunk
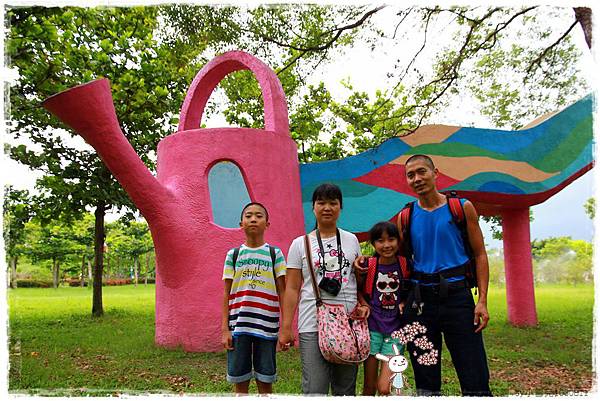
(107, 274)
(97, 309)
(55, 268)
(13, 272)
(82, 280)
(147, 268)
(136, 269)
(584, 17)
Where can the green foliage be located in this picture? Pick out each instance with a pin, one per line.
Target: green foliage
(17, 211)
(496, 267)
(54, 49)
(29, 283)
(559, 260)
(40, 270)
(590, 208)
(519, 63)
(366, 248)
(128, 243)
(129, 239)
(293, 40)
(562, 260)
(50, 242)
(57, 48)
(496, 224)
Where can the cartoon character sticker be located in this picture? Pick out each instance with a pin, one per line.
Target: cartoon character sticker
(387, 285)
(397, 364)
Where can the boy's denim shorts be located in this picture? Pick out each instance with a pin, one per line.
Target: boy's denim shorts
(382, 344)
(251, 352)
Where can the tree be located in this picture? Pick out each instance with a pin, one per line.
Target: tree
(294, 41)
(53, 241)
(17, 211)
(57, 48)
(131, 239)
(590, 208)
(562, 260)
(507, 58)
(83, 235)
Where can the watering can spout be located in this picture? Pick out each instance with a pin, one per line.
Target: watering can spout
(89, 110)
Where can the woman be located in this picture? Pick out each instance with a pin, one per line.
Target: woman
(333, 251)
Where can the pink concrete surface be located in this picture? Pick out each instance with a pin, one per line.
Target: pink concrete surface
(520, 293)
(190, 248)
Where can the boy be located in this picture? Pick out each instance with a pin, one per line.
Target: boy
(254, 276)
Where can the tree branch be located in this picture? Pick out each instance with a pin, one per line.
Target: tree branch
(330, 42)
(538, 59)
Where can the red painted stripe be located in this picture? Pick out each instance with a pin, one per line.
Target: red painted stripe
(494, 203)
(392, 176)
(254, 305)
(252, 293)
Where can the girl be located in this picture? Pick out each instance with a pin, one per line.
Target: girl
(382, 290)
(333, 253)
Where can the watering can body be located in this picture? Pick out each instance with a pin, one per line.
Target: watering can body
(190, 247)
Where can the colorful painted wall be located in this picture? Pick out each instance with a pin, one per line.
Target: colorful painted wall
(495, 169)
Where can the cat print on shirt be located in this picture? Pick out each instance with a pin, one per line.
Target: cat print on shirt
(387, 285)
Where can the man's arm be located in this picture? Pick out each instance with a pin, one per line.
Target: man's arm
(481, 261)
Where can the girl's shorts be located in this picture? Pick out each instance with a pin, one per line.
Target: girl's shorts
(382, 344)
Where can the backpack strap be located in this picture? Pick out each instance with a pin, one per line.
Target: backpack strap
(458, 216)
(404, 267)
(273, 258)
(370, 280)
(236, 253)
(405, 220)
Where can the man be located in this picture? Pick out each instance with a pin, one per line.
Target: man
(437, 245)
(440, 298)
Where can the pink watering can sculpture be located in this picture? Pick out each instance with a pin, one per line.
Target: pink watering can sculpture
(190, 246)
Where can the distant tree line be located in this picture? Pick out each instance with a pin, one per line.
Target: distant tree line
(556, 260)
(39, 248)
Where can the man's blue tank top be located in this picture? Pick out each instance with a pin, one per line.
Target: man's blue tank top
(436, 240)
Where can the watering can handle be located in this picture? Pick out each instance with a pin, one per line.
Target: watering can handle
(276, 114)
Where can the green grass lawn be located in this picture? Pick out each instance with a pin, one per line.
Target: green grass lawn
(57, 348)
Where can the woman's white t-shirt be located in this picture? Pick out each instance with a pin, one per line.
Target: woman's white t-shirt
(307, 311)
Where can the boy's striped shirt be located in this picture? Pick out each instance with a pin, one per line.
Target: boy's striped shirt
(253, 300)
